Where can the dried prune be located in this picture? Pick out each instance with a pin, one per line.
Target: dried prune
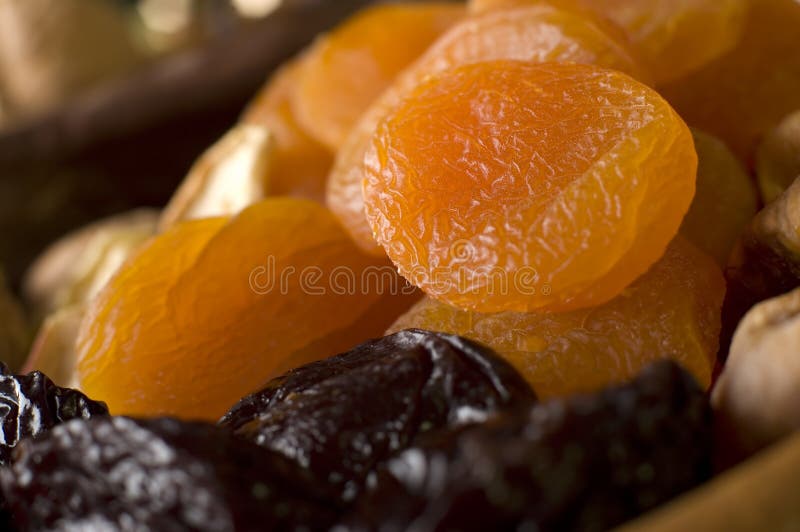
(342, 416)
(162, 474)
(32, 404)
(586, 463)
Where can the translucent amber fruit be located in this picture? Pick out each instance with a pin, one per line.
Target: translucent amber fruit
(540, 33)
(743, 94)
(371, 324)
(231, 175)
(353, 64)
(673, 312)
(725, 202)
(77, 266)
(778, 157)
(513, 186)
(53, 350)
(673, 37)
(298, 165)
(212, 309)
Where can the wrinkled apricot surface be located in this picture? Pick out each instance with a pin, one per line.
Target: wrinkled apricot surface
(299, 164)
(541, 33)
(673, 311)
(725, 202)
(350, 66)
(673, 37)
(512, 186)
(212, 309)
(743, 94)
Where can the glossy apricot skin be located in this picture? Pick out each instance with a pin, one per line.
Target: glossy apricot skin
(299, 164)
(213, 309)
(725, 202)
(349, 67)
(673, 37)
(541, 33)
(740, 96)
(673, 311)
(512, 186)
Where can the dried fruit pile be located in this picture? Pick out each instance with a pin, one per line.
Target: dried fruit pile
(538, 222)
(314, 449)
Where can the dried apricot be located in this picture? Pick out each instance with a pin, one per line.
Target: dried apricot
(299, 164)
(350, 66)
(541, 33)
(672, 312)
(725, 202)
(747, 91)
(673, 37)
(212, 309)
(513, 186)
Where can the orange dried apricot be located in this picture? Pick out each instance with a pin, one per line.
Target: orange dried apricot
(673, 37)
(212, 309)
(299, 165)
(371, 324)
(514, 186)
(673, 311)
(725, 202)
(743, 94)
(541, 33)
(350, 66)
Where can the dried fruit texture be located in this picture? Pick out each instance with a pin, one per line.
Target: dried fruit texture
(395, 298)
(778, 158)
(512, 186)
(75, 268)
(743, 94)
(212, 310)
(725, 202)
(671, 312)
(673, 37)
(124, 474)
(31, 405)
(14, 334)
(299, 164)
(757, 392)
(586, 463)
(325, 416)
(541, 33)
(349, 67)
(229, 176)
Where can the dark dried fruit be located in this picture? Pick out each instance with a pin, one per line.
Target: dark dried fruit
(161, 474)
(31, 404)
(585, 463)
(342, 416)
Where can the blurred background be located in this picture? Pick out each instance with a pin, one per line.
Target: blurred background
(105, 104)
